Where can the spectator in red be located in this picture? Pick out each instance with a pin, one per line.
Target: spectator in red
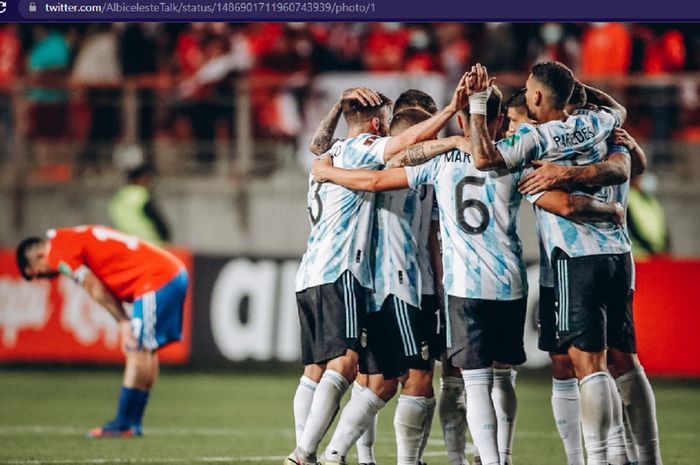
(606, 49)
(385, 47)
(421, 52)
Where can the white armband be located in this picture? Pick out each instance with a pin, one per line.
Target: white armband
(477, 102)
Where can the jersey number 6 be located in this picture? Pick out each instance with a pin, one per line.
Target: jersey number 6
(462, 204)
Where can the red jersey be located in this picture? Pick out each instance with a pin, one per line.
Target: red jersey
(126, 265)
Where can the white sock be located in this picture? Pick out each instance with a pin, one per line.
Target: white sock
(302, 404)
(505, 404)
(365, 445)
(596, 411)
(617, 449)
(427, 425)
(481, 415)
(358, 412)
(640, 405)
(409, 421)
(629, 438)
(323, 408)
(567, 416)
(453, 418)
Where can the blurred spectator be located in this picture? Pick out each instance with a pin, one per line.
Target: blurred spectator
(606, 49)
(98, 67)
(646, 219)
(456, 50)
(337, 47)
(385, 47)
(133, 209)
(47, 69)
(10, 68)
(421, 52)
(498, 52)
(555, 43)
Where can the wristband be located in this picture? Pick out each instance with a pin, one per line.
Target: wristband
(477, 102)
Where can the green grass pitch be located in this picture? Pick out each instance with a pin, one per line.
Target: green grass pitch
(245, 418)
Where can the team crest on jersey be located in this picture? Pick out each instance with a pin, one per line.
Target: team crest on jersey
(363, 338)
(370, 140)
(424, 351)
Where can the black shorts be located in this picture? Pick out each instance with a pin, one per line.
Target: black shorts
(594, 302)
(486, 331)
(331, 317)
(397, 340)
(547, 322)
(434, 324)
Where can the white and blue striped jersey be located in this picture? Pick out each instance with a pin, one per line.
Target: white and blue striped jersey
(341, 218)
(580, 140)
(395, 247)
(429, 213)
(481, 250)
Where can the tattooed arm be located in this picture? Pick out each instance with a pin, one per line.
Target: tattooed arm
(323, 137)
(424, 151)
(580, 207)
(600, 98)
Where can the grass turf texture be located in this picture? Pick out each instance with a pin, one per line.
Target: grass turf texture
(199, 418)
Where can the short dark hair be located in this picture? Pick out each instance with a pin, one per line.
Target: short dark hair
(516, 100)
(493, 105)
(407, 118)
(558, 78)
(22, 249)
(414, 98)
(578, 95)
(354, 112)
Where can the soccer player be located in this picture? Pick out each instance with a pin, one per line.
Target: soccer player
(334, 276)
(403, 218)
(516, 112)
(593, 256)
(484, 275)
(115, 268)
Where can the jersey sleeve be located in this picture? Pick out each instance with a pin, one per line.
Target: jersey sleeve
(520, 148)
(609, 118)
(368, 149)
(618, 149)
(65, 254)
(423, 173)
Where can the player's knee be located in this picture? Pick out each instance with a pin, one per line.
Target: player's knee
(620, 362)
(346, 365)
(385, 389)
(587, 363)
(562, 368)
(314, 372)
(418, 383)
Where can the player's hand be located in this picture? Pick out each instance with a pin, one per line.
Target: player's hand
(319, 170)
(619, 218)
(478, 79)
(366, 96)
(546, 176)
(622, 137)
(127, 338)
(460, 98)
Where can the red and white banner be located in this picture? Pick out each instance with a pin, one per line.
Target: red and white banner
(57, 321)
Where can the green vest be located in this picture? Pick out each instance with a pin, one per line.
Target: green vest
(126, 209)
(648, 216)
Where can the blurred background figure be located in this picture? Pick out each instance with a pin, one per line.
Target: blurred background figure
(134, 211)
(646, 219)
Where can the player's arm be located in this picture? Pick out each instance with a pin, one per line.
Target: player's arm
(323, 137)
(424, 151)
(598, 97)
(580, 207)
(637, 156)
(429, 128)
(359, 180)
(547, 175)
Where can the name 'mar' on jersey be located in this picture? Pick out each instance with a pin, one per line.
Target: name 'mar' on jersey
(341, 218)
(481, 250)
(580, 140)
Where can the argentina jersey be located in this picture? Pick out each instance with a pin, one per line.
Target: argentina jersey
(341, 218)
(396, 254)
(481, 250)
(428, 214)
(580, 140)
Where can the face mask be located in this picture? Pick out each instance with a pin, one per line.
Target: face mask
(551, 33)
(420, 40)
(649, 184)
(391, 27)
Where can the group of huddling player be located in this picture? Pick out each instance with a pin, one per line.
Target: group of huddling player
(430, 268)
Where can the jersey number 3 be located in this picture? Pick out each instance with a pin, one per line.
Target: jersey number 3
(319, 205)
(462, 204)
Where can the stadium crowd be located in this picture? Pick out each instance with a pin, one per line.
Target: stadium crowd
(183, 71)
